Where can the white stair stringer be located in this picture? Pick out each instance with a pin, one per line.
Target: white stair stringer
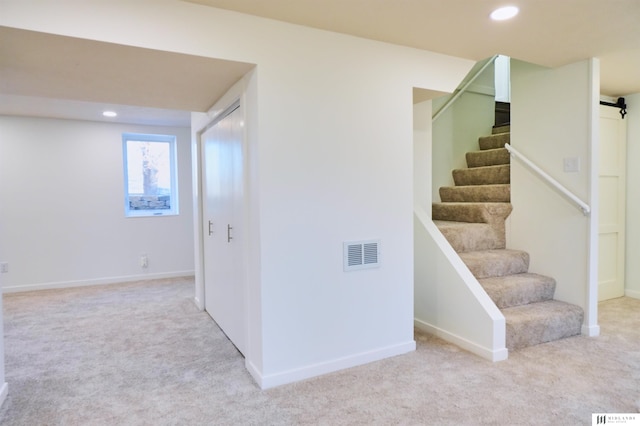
(449, 301)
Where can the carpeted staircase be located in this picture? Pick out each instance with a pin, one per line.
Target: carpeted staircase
(472, 218)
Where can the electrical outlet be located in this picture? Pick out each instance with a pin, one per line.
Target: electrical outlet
(144, 261)
(4, 267)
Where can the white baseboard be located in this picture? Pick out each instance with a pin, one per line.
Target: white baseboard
(94, 281)
(491, 354)
(255, 373)
(4, 391)
(199, 303)
(590, 330)
(632, 293)
(307, 372)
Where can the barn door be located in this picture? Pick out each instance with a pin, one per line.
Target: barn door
(612, 181)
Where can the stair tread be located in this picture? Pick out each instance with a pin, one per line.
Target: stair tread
(541, 322)
(495, 263)
(540, 310)
(488, 254)
(470, 236)
(503, 128)
(484, 175)
(518, 289)
(478, 212)
(493, 193)
(496, 140)
(479, 169)
(478, 203)
(444, 224)
(490, 185)
(487, 157)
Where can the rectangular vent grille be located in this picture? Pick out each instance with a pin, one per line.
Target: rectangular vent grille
(361, 255)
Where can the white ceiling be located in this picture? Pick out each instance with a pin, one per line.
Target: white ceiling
(546, 32)
(63, 77)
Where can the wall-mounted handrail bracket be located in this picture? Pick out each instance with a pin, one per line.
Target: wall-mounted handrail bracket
(550, 180)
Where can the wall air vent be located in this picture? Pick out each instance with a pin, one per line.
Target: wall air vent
(361, 255)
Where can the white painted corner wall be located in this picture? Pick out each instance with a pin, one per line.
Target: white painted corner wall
(335, 155)
(331, 145)
(457, 129)
(561, 241)
(62, 221)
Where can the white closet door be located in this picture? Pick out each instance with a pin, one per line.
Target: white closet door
(223, 198)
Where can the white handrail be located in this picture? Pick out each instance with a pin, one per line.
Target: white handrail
(551, 181)
(463, 88)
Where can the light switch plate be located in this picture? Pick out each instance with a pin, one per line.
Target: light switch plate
(571, 164)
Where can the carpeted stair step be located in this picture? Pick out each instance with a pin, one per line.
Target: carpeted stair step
(472, 217)
(488, 157)
(487, 175)
(496, 263)
(471, 212)
(500, 193)
(518, 289)
(465, 236)
(501, 129)
(535, 323)
(494, 141)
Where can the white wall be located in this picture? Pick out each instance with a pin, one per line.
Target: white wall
(62, 219)
(422, 154)
(456, 131)
(332, 143)
(632, 276)
(554, 115)
(448, 300)
(4, 387)
(503, 78)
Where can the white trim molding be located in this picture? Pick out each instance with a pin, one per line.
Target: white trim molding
(635, 294)
(272, 380)
(491, 354)
(4, 391)
(590, 330)
(94, 281)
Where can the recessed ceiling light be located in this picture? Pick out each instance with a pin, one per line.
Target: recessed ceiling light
(504, 13)
(110, 114)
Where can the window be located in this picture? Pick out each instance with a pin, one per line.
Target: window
(150, 175)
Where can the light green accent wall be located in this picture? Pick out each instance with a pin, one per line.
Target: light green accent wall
(556, 234)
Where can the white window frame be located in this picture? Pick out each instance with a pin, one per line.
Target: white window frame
(174, 201)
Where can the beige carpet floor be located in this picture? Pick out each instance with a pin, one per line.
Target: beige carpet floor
(142, 354)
